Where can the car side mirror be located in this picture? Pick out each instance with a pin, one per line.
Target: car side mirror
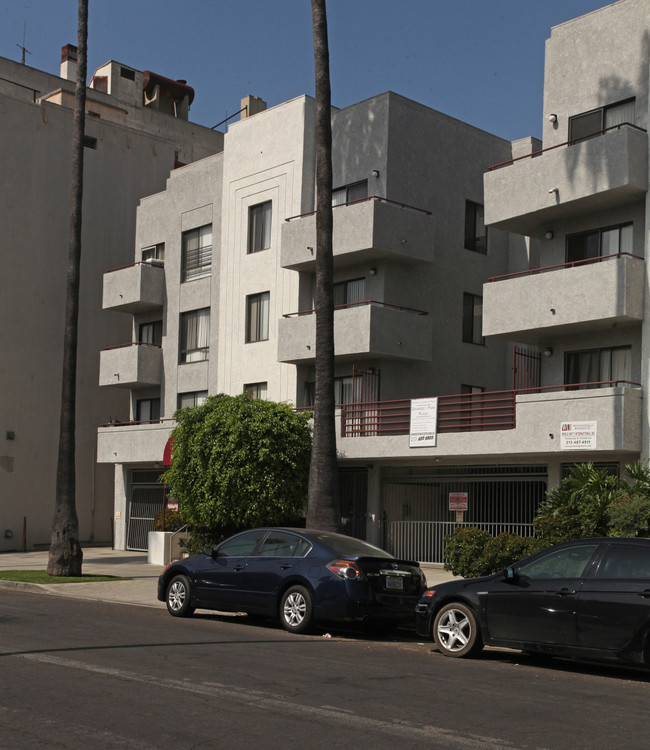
(208, 551)
(510, 574)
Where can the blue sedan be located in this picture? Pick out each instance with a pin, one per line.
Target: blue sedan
(299, 576)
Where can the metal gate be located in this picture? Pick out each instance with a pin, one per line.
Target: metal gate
(415, 504)
(147, 500)
(526, 369)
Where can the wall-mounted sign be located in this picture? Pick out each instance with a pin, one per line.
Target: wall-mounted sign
(424, 422)
(578, 436)
(458, 501)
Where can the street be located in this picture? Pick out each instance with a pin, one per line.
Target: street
(86, 674)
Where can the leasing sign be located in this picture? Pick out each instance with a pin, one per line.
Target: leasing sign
(578, 435)
(424, 422)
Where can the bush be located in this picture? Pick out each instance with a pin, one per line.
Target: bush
(473, 552)
(173, 520)
(629, 515)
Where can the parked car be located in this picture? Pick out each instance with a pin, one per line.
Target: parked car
(299, 576)
(588, 598)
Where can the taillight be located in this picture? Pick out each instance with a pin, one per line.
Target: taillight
(350, 571)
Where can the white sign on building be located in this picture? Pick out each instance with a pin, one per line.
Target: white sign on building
(578, 435)
(424, 422)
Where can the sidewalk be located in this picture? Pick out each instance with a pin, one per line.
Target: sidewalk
(140, 590)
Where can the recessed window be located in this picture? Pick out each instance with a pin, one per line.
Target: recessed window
(127, 73)
(344, 391)
(147, 410)
(473, 319)
(257, 317)
(195, 334)
(596, 121)
(475, 230)
(599, 242)
(196, 253)
(191, 398)
(349, 292)
(464, 388)
(89, 142)
(597, 368)
(150, 333)
(259, 227)
(257, 390)
(154, 254)
(349, 193)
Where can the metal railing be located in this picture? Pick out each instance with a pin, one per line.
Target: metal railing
(541, 151)
(570, 264)
(130, 343)
(364, 200)
(361, 303)
(463, 412)
(424, 540)
(151, 262)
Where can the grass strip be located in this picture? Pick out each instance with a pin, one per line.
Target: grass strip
(41, 576)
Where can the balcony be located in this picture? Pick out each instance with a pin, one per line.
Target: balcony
(363, 330)
(131, 366)
(366, 230)
(134, 289)
(572, 298)
(133, 442)
(528, 424)
(530, 194)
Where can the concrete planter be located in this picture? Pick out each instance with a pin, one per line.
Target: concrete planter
(164, 546)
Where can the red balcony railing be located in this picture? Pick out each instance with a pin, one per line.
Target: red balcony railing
(541, 151)
(571, 264)
(361, 303)
(463, 412)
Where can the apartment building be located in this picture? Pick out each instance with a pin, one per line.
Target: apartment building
(489, 329)
(137, 131)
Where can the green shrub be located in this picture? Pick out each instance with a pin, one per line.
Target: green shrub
(629, 515)
(173, 520)
(505, 549)
(464, 550)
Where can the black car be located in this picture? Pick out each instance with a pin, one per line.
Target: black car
(299, 576)
(588, 598)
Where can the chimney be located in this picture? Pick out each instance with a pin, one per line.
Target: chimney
(69, 62)
(251, 105)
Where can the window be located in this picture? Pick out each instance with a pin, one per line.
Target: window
(625, 561)
(475, 230)
(599, 242)
(89, 141)
(151, 333)
(284, 544)
(127, 73)
(242, 545)
(195, 332)
(197, 253)
(257, 317)
(597, 120)
(257, 390)
(349, 292)
(259, 227)
(147, 410)
(597, 366)
(569, 562)
(356, 192)
(343, 391)
(155, 254)
(473, 319)
(193, 398)
(472, 388)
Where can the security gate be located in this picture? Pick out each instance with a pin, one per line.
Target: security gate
(415, 504)
(147, 500)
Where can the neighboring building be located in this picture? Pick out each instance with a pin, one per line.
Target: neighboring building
(530, 334)
(137, 131)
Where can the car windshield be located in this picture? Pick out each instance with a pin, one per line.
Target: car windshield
(347, 546)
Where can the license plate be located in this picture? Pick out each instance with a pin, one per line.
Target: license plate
(394, 583)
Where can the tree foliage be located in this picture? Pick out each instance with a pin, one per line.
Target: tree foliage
(239, 462)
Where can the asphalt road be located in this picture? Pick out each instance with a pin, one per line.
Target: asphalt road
(84, 674)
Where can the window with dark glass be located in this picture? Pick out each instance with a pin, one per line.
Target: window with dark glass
(150, 333)
(154, 254)
(196, 259)
(475, 229)
(284, 544)
(147, 410)
(349, 193)
(569, 562)
(195, 333)
(597, 366)
(241, 545)
(259, 227)
(349, 292)
(599, 242)
(257, 390)
(596, 121)
(473, 319)
(257, 317)
(346, 391)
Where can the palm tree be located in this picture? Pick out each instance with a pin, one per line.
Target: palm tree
(66, 556)
(322, 506)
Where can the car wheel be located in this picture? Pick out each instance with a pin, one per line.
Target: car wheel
(296, 610)
(456, 631)
(178, 597)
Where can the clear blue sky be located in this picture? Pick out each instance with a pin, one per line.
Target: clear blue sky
(481, 61)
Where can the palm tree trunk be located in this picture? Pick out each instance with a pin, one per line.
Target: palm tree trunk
(66, 556)
(323, 508)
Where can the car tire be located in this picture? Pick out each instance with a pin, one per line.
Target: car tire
(296, 610)
(178, 597)
(456, 631)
